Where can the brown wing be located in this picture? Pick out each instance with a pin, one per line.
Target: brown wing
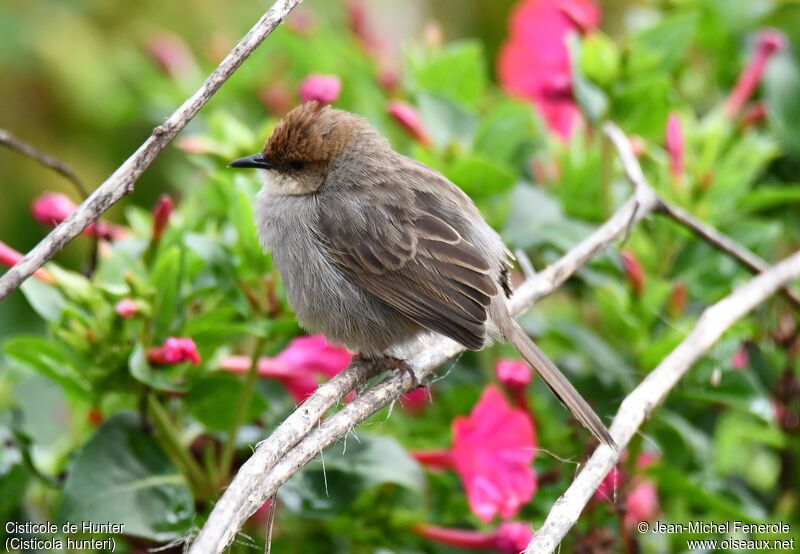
(416, 263)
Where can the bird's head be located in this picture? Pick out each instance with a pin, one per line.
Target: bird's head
(307, 144)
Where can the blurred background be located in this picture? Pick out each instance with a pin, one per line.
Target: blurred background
(506, 97)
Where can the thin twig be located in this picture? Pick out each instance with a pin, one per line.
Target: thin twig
(51, 162)
(640, 403)
(705, 232)
(275, 460)
(724, 244)
(123, 180)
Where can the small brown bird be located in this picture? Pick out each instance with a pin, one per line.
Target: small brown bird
(374, 247)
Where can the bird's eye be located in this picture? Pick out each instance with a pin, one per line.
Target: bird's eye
(297, 165)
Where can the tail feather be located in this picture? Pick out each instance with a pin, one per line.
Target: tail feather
(561, 387)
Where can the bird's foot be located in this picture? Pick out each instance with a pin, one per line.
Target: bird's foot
(396, 363)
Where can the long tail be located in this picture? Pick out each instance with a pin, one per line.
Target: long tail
(561, 387)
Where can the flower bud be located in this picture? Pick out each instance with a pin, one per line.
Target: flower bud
(408, 118)
(324, 89)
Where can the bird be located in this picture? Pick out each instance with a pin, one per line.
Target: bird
(374, 247)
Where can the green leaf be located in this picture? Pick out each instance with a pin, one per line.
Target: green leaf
(457, 72)
(47, 357)
(166, 278)
(122, 476)
(210, 394)
(659, 48)
(591, 99)
(446, 121)
(479, 176)
(600, 59)
(503, 133)
(45, 299)
(370, 461)
(766, 197)
(782, 96)
(166, 378)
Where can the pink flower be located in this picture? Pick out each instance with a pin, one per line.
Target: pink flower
(174, 351)
(416, 400)
(324, 89)
(740, 359)
(10, 257)
(161, 212)
(674, 144)
(511, 537)
(493, 450)
(534, 62)
(408, 118)
(513, 374)
(641, 503)
(52, 208)
(127, 308)
(171, 54)
(633, 271)
(298, 366)
(769, 41)
(610, 485)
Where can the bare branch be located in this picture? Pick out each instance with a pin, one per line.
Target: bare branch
(122, 181)
(724, 244)
(275, 460)
(705, 232)
(51, 162)
(640, 403)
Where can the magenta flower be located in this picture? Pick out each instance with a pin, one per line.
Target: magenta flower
(174, 351)
(609, 486)
(633, 271)
(324, 89)
(52, 208)
(299, 366)
(513, 374)
(674, 145)
(408, 118)
(641, 503)
(10, 257)
(171, 54)
(161, 212)
(511, 537)
(769, 41)
(493, 450)
(534, 62)
(127, 308)
(417, 400)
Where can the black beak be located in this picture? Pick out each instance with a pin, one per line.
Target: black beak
(256, 160)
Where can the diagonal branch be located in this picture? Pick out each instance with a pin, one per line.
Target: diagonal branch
(275, 461)
(640, 403)
(122, 181)
(701, 230)
(754, 263)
